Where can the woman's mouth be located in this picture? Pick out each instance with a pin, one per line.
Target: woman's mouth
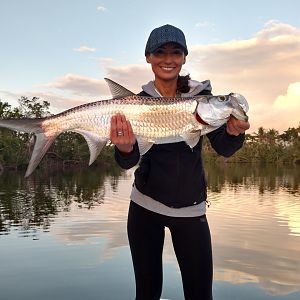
(168, 68)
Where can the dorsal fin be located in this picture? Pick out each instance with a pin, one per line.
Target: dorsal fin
(118, 90)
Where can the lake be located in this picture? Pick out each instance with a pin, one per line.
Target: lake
(63, 234)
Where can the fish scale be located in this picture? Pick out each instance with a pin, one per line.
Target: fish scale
(156, 120)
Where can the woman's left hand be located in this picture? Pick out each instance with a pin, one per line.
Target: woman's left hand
(121, 133)
(236, 127)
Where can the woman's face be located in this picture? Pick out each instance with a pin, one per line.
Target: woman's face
(166, 61)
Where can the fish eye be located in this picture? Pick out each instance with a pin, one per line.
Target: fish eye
(222, 98)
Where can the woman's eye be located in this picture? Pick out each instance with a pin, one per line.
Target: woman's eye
(177, 52)
(159, 52)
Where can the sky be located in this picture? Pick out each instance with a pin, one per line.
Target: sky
(61, 50)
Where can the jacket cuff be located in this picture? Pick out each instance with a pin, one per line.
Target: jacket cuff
(127, 160)
(235, 137)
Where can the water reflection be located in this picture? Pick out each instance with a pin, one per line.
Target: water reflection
(254, 217)
(266, 177)
(31, 204)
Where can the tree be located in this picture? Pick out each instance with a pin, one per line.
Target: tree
(32, 108)
(15, 146)
(5, 109)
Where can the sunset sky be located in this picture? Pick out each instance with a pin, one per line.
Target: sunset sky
(60, 50)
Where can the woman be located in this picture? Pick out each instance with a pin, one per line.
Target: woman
(169, 188)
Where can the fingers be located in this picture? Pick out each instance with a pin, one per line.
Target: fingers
(236, 127)
(121, 133)
(113, 128)
(131, 135)
(116, 129)
(124, 126)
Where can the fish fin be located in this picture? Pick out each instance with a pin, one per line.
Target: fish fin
(192, 138)
(41, 146)
(42, 143)
(94, 141)
(144, 145)
(117, 90)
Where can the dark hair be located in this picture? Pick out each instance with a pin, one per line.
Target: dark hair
(183, 83)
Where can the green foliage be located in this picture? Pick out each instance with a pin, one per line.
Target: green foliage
(13, 148)
(266, 146)
(71, 146)
(32, 108)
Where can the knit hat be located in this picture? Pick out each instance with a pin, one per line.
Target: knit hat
(165, 34)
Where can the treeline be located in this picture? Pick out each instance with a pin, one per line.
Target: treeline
(267, 145)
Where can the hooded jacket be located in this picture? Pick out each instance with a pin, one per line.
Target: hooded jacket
(173, 173)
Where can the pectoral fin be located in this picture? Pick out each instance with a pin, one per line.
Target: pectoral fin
(192, 138)
(144, 145)
(94, 141)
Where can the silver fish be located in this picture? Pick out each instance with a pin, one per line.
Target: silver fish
(154, 120)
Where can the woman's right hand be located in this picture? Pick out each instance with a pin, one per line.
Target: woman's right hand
(121, 134)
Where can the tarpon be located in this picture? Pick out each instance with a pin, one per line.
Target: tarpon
(154, 120)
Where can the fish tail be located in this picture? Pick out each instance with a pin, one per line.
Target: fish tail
(44, 139)
(41, 146)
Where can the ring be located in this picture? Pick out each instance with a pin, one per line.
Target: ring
(120, 133)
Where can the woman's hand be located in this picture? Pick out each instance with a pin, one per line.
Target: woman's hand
(121, 134)
(236, 127)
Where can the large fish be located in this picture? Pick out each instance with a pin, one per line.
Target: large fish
(154, 120)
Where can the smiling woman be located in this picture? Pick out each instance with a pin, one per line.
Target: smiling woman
(166, 62)
(170, 188)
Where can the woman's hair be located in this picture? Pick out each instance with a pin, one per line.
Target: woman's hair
(183, 83)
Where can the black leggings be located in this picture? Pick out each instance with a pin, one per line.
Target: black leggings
(192, 246)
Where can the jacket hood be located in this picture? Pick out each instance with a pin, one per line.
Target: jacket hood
(195, 88)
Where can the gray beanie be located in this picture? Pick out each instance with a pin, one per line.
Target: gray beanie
(165, 34)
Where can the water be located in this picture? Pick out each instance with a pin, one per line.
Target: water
(63, 236)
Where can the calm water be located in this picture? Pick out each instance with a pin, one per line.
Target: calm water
(63, 236)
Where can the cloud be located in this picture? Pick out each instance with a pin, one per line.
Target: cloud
(284, 112)
(205, 24)
(291, 99)
(72, 89)
(78, 85)
(85, 49)
(261, 68)
(57, 101)
(131, 76)
(275, 29)
(101, 8)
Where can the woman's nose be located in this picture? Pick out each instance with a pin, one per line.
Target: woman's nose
(168, 57)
